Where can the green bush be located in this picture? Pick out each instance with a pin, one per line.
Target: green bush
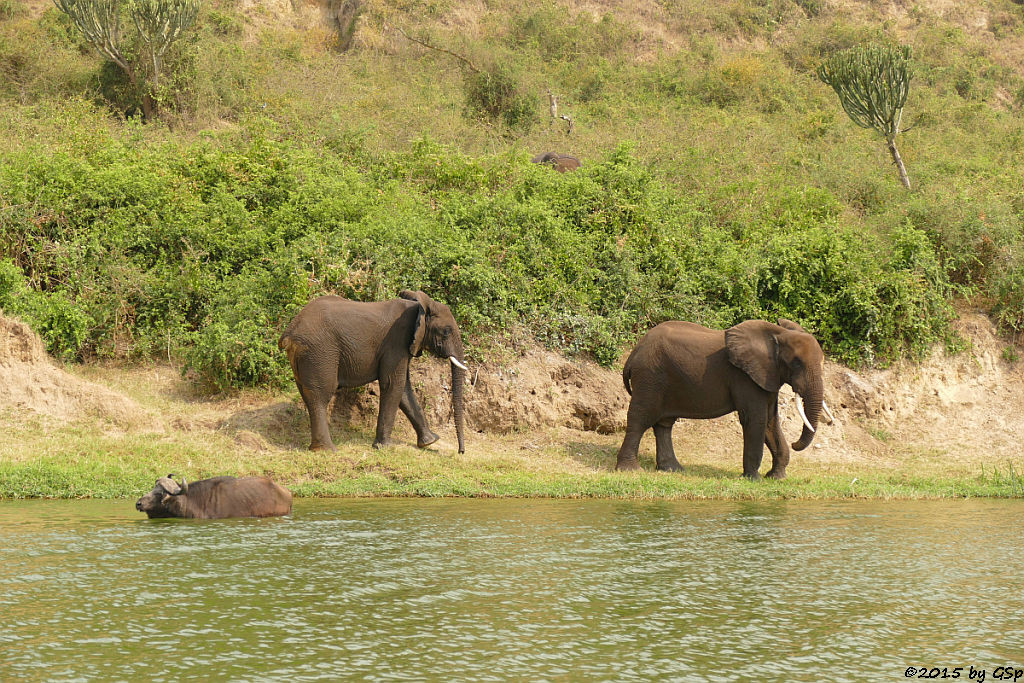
(206, 250)
(13, 286)
(1008, 290)
(497, 93)
(63, 325)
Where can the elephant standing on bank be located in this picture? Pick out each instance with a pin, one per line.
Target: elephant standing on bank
(334, 342)
(681, 369)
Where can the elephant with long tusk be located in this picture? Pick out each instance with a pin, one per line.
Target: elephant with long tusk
(334, 342)
(681, 369)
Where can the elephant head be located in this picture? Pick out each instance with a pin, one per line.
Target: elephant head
(773, 355)
(437, 332)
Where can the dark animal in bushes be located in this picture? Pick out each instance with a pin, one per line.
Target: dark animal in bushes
(681, 369)
(216, 498)
(560, 162)
(334, 342)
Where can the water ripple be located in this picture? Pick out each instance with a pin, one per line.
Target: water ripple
(493, 590)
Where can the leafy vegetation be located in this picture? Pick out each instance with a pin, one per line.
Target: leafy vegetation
(209, 256)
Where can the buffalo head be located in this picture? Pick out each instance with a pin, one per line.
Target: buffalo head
(154, 503)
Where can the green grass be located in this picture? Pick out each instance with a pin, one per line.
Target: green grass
(94, 477)
(83, 461)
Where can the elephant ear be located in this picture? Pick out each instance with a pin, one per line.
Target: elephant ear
(420, 329)
(754, 349)
(790, 325)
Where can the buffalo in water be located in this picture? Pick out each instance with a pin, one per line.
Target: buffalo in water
(216, 498)
(560, 162)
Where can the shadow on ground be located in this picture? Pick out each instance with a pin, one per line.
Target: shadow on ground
(285, 424)
(602, 457)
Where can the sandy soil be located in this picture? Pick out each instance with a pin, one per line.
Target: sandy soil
(968, 407)
(30, 382)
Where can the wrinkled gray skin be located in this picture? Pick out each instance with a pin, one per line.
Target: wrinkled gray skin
(334, 342)
(560, 162)
(681, 369)
(216, 498)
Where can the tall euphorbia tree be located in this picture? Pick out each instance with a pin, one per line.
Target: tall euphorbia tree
(158, 23)
(872, 83)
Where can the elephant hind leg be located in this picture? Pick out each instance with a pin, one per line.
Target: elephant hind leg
(628, 457)
(666, 455)
(317, 383)
(316, 401)
(636, 424)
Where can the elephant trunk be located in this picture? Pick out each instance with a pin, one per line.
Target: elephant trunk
(813, 400)
(458, 385)
(459, 369)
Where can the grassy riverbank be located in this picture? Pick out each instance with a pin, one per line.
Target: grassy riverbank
(198, 436)
(76, 462)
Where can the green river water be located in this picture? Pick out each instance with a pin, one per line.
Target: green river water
(514, 590)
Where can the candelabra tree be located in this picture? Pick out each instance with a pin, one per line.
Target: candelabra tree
(158, 23)
(872, 83)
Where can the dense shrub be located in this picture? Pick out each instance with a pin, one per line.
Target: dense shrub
(497, 93)
(63, 325)
(206, 250)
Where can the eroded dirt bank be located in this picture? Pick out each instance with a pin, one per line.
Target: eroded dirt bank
(969, 407)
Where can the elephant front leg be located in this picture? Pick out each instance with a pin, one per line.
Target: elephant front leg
(391, 392)
(754, 424)
(411, 408)
(777, 446)
(665, 453)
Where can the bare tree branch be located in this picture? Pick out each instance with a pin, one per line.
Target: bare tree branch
(457, 56)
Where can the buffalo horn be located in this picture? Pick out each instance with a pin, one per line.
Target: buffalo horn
(169, 485)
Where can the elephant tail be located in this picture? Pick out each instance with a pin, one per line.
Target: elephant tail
(625, 379)
(292, 347)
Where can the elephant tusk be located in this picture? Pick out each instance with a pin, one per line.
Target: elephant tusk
(455, 362)
(803, 415)
(831, 417)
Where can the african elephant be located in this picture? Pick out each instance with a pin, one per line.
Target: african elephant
(681, 369)
(334, 342)
(560, 162)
